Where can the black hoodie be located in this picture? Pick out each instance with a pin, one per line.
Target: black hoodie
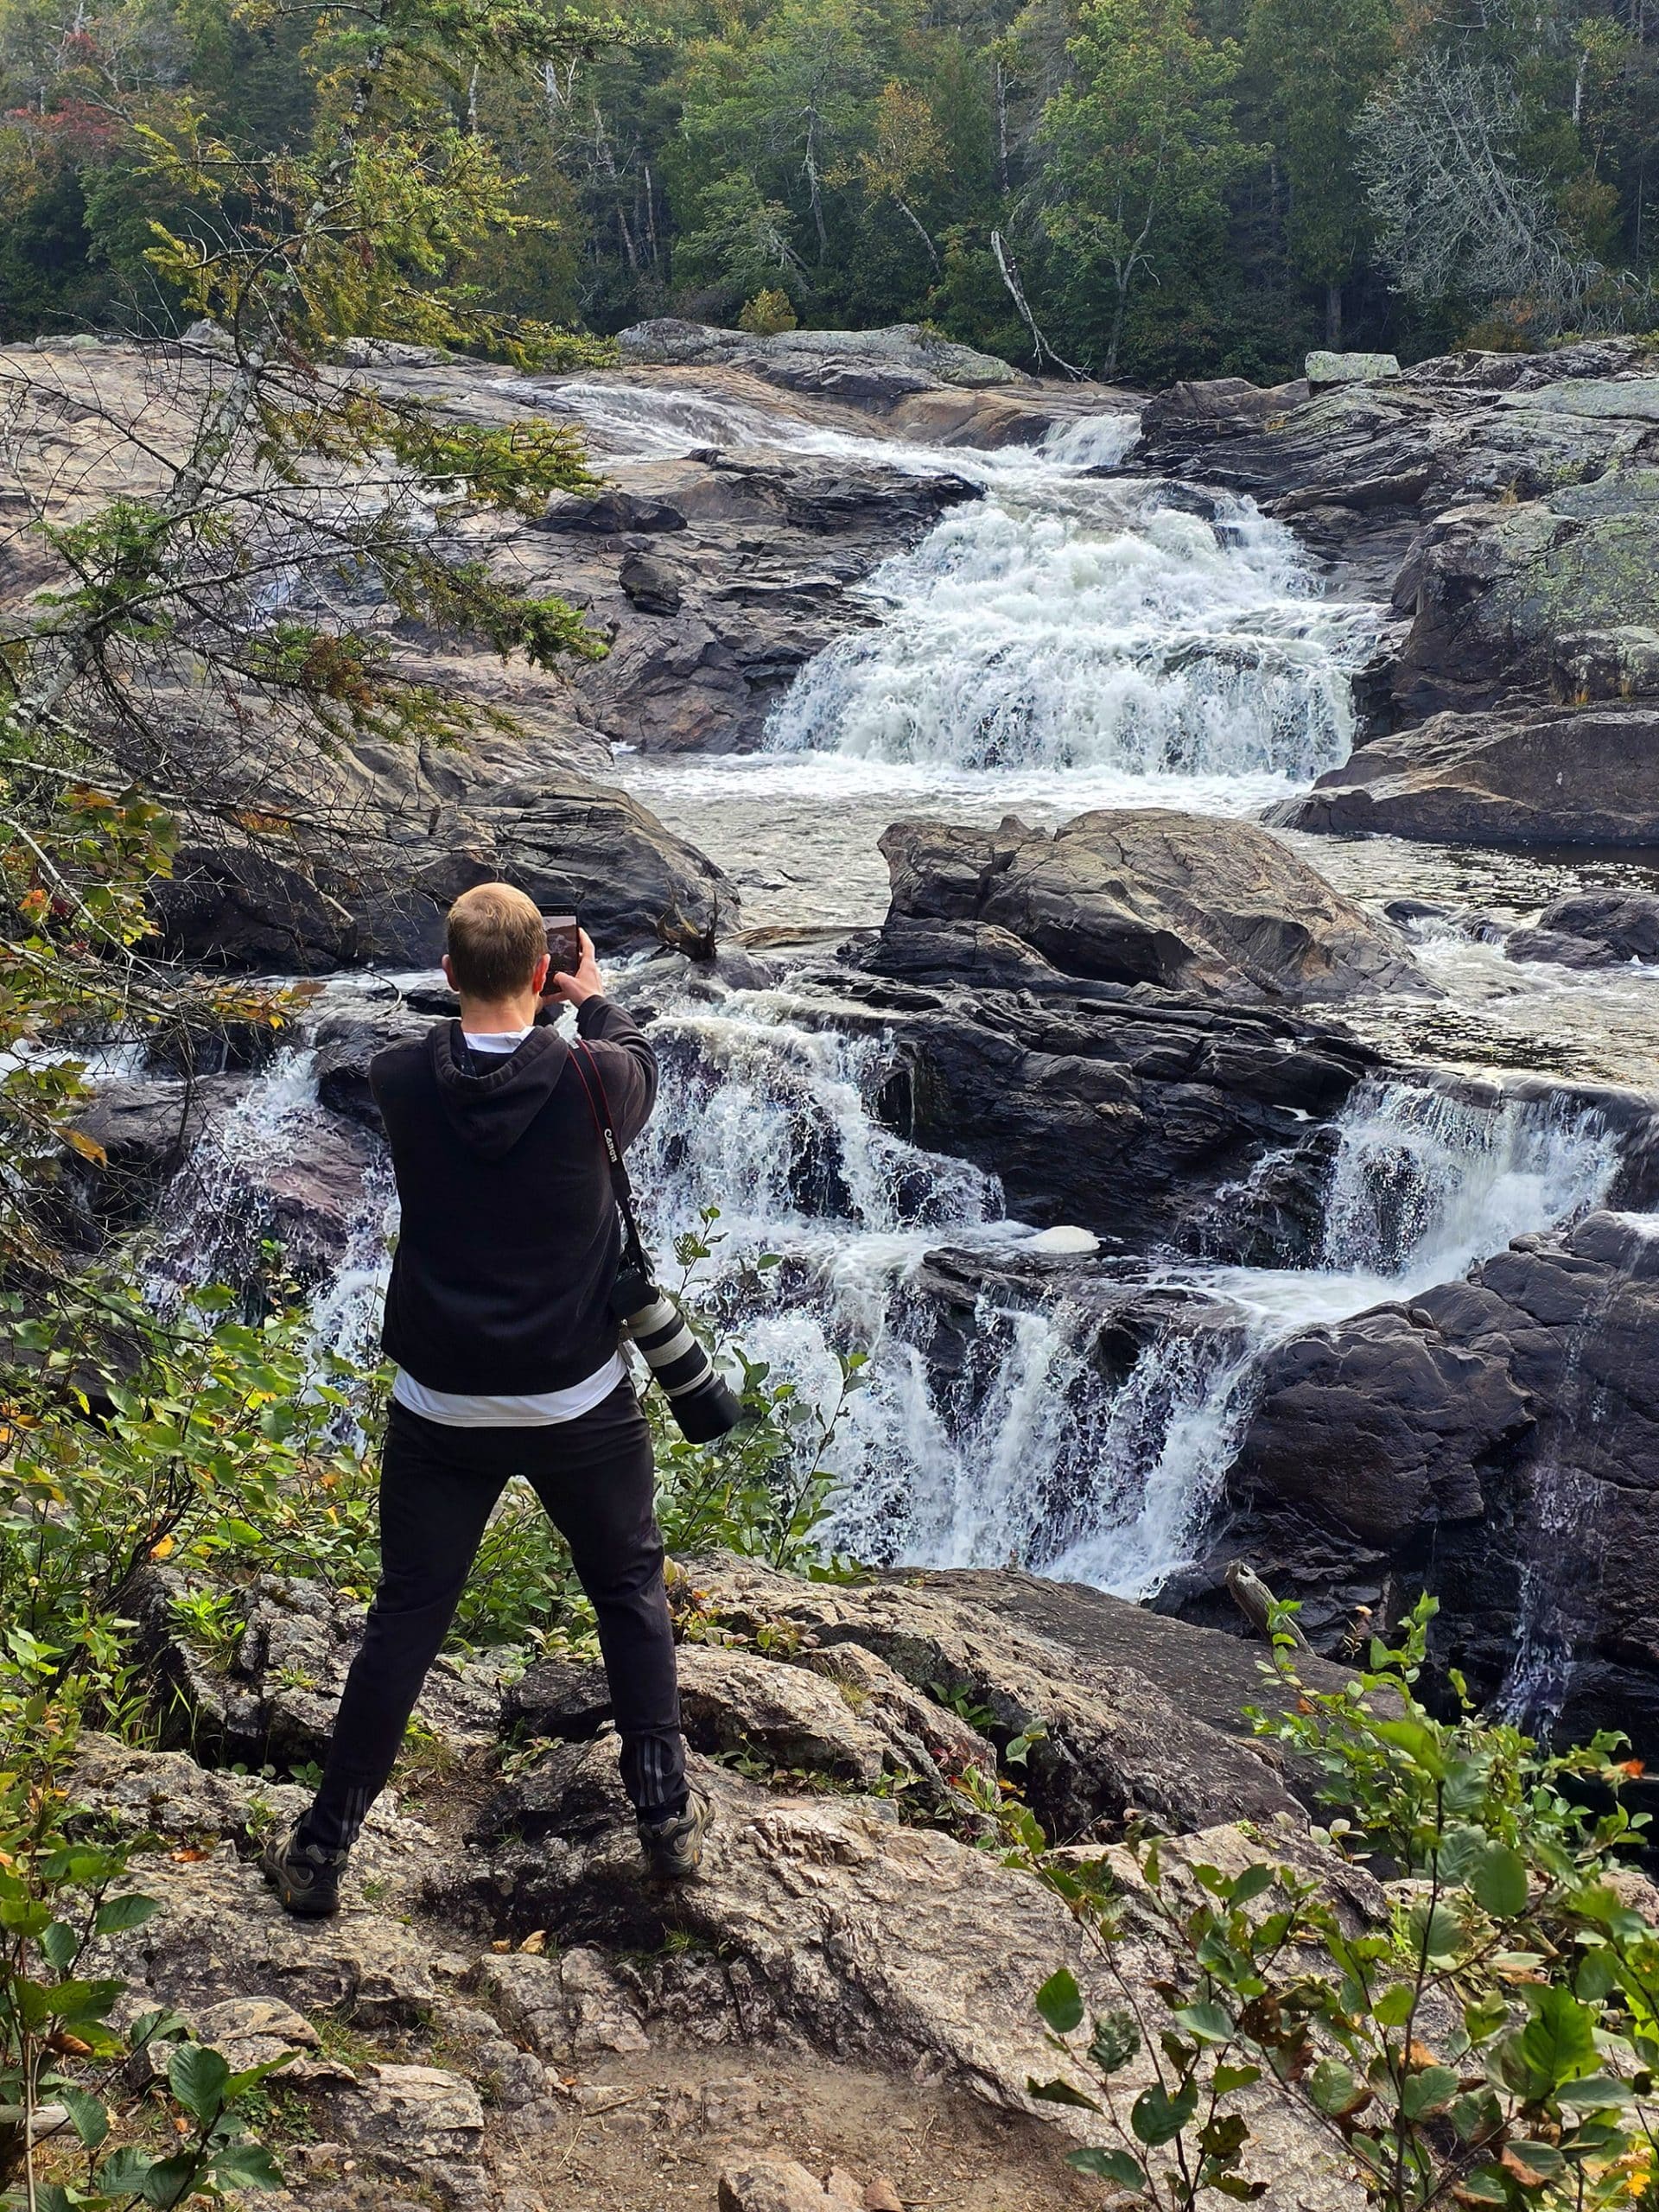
(501, 1282)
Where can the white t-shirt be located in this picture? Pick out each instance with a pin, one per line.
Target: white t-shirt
(540, 1409)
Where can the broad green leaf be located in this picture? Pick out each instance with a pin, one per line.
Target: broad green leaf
(1334, 2088)
(1393, 2008)
(1060, 2002)
(169, 2181)
(1594, 2092)
(1251, 1882)
(1532, 2165)
(1485, 2185)
(246, 2166)
(1227, 2079)
(117, 1915)
(1428, 2093)
(1498, 1879)
(1436, 1933)
(1559, 2042)
(88, 2115)
(59, 1945)
(197, 2075)
(1157, 2118)
(1109, 2165)
(1206, 2022)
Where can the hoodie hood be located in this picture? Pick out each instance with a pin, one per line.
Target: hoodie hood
(491, 1111)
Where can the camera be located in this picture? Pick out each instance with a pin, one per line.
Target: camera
(703, 1407)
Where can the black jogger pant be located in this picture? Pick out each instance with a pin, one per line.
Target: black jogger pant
(438, 1485)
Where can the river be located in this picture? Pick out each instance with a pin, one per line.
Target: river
(1070, 640)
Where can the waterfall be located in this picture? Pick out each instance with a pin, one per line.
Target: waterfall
(1103, 627)
(1022, 1449)
(211, 1219)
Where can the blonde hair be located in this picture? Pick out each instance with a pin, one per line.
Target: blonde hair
(495, 937)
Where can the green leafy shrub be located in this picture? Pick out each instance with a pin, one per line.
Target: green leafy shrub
(70, 2139)
(767, 313)
(1492, 2040)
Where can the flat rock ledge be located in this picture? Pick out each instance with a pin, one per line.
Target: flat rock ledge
(506, 2017)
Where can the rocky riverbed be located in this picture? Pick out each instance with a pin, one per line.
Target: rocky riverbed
(1182, 1005)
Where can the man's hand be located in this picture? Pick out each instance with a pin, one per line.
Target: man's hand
(586, 983)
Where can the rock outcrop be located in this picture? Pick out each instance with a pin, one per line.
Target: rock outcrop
(1507, 506)
(1495, 1442)
(1551, 775)
(502, 1971)
(1210, 908)
(1593, 929)
(1124, 1111)
(863, 365)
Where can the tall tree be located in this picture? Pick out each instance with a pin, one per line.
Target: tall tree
(1322, 60)
(1143, 144)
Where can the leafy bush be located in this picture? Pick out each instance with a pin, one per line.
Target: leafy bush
(69, 2140)
(767, 313)
(1492, 2040)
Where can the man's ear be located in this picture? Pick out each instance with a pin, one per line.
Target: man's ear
(542, 977)
(448, 973)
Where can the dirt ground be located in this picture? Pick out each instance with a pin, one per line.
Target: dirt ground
(652, 2135)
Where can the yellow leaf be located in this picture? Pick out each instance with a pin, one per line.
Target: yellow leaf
(88, 1147)
(162, 1550)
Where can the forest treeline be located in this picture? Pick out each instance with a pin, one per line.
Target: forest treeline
(1135, 187)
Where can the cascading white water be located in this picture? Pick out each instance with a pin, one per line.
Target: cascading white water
(1021, 1449)
(210, 1215)
(1115, 631)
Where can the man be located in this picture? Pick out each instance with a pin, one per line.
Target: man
(497, 1314)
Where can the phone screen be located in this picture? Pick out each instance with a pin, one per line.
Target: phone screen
(563, 943)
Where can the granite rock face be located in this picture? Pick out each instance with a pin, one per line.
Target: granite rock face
(1556, 775)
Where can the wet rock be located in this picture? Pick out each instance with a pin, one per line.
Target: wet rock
(1183, 901)
(652, 586)
(1124, 1111)
(140, 1133)
(1495, 1442)
(610, 513)
(1546, 776)
(1595, 930)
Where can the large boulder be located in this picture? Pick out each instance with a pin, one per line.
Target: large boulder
(1597, 929)
(1125, 1110)
(1578, 776)
(1213, 908)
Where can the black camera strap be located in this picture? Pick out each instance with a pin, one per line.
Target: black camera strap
(592, 1085)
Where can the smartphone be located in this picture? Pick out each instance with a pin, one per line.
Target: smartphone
(563, 943)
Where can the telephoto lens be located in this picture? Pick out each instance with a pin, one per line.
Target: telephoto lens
(703, 1406)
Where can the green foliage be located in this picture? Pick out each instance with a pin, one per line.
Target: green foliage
(767, 313)
(1143, 148)
(63, 1888)
(1490, 2039)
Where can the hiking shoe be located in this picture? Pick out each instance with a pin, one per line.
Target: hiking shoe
(673, 1847)
(305, 1877)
